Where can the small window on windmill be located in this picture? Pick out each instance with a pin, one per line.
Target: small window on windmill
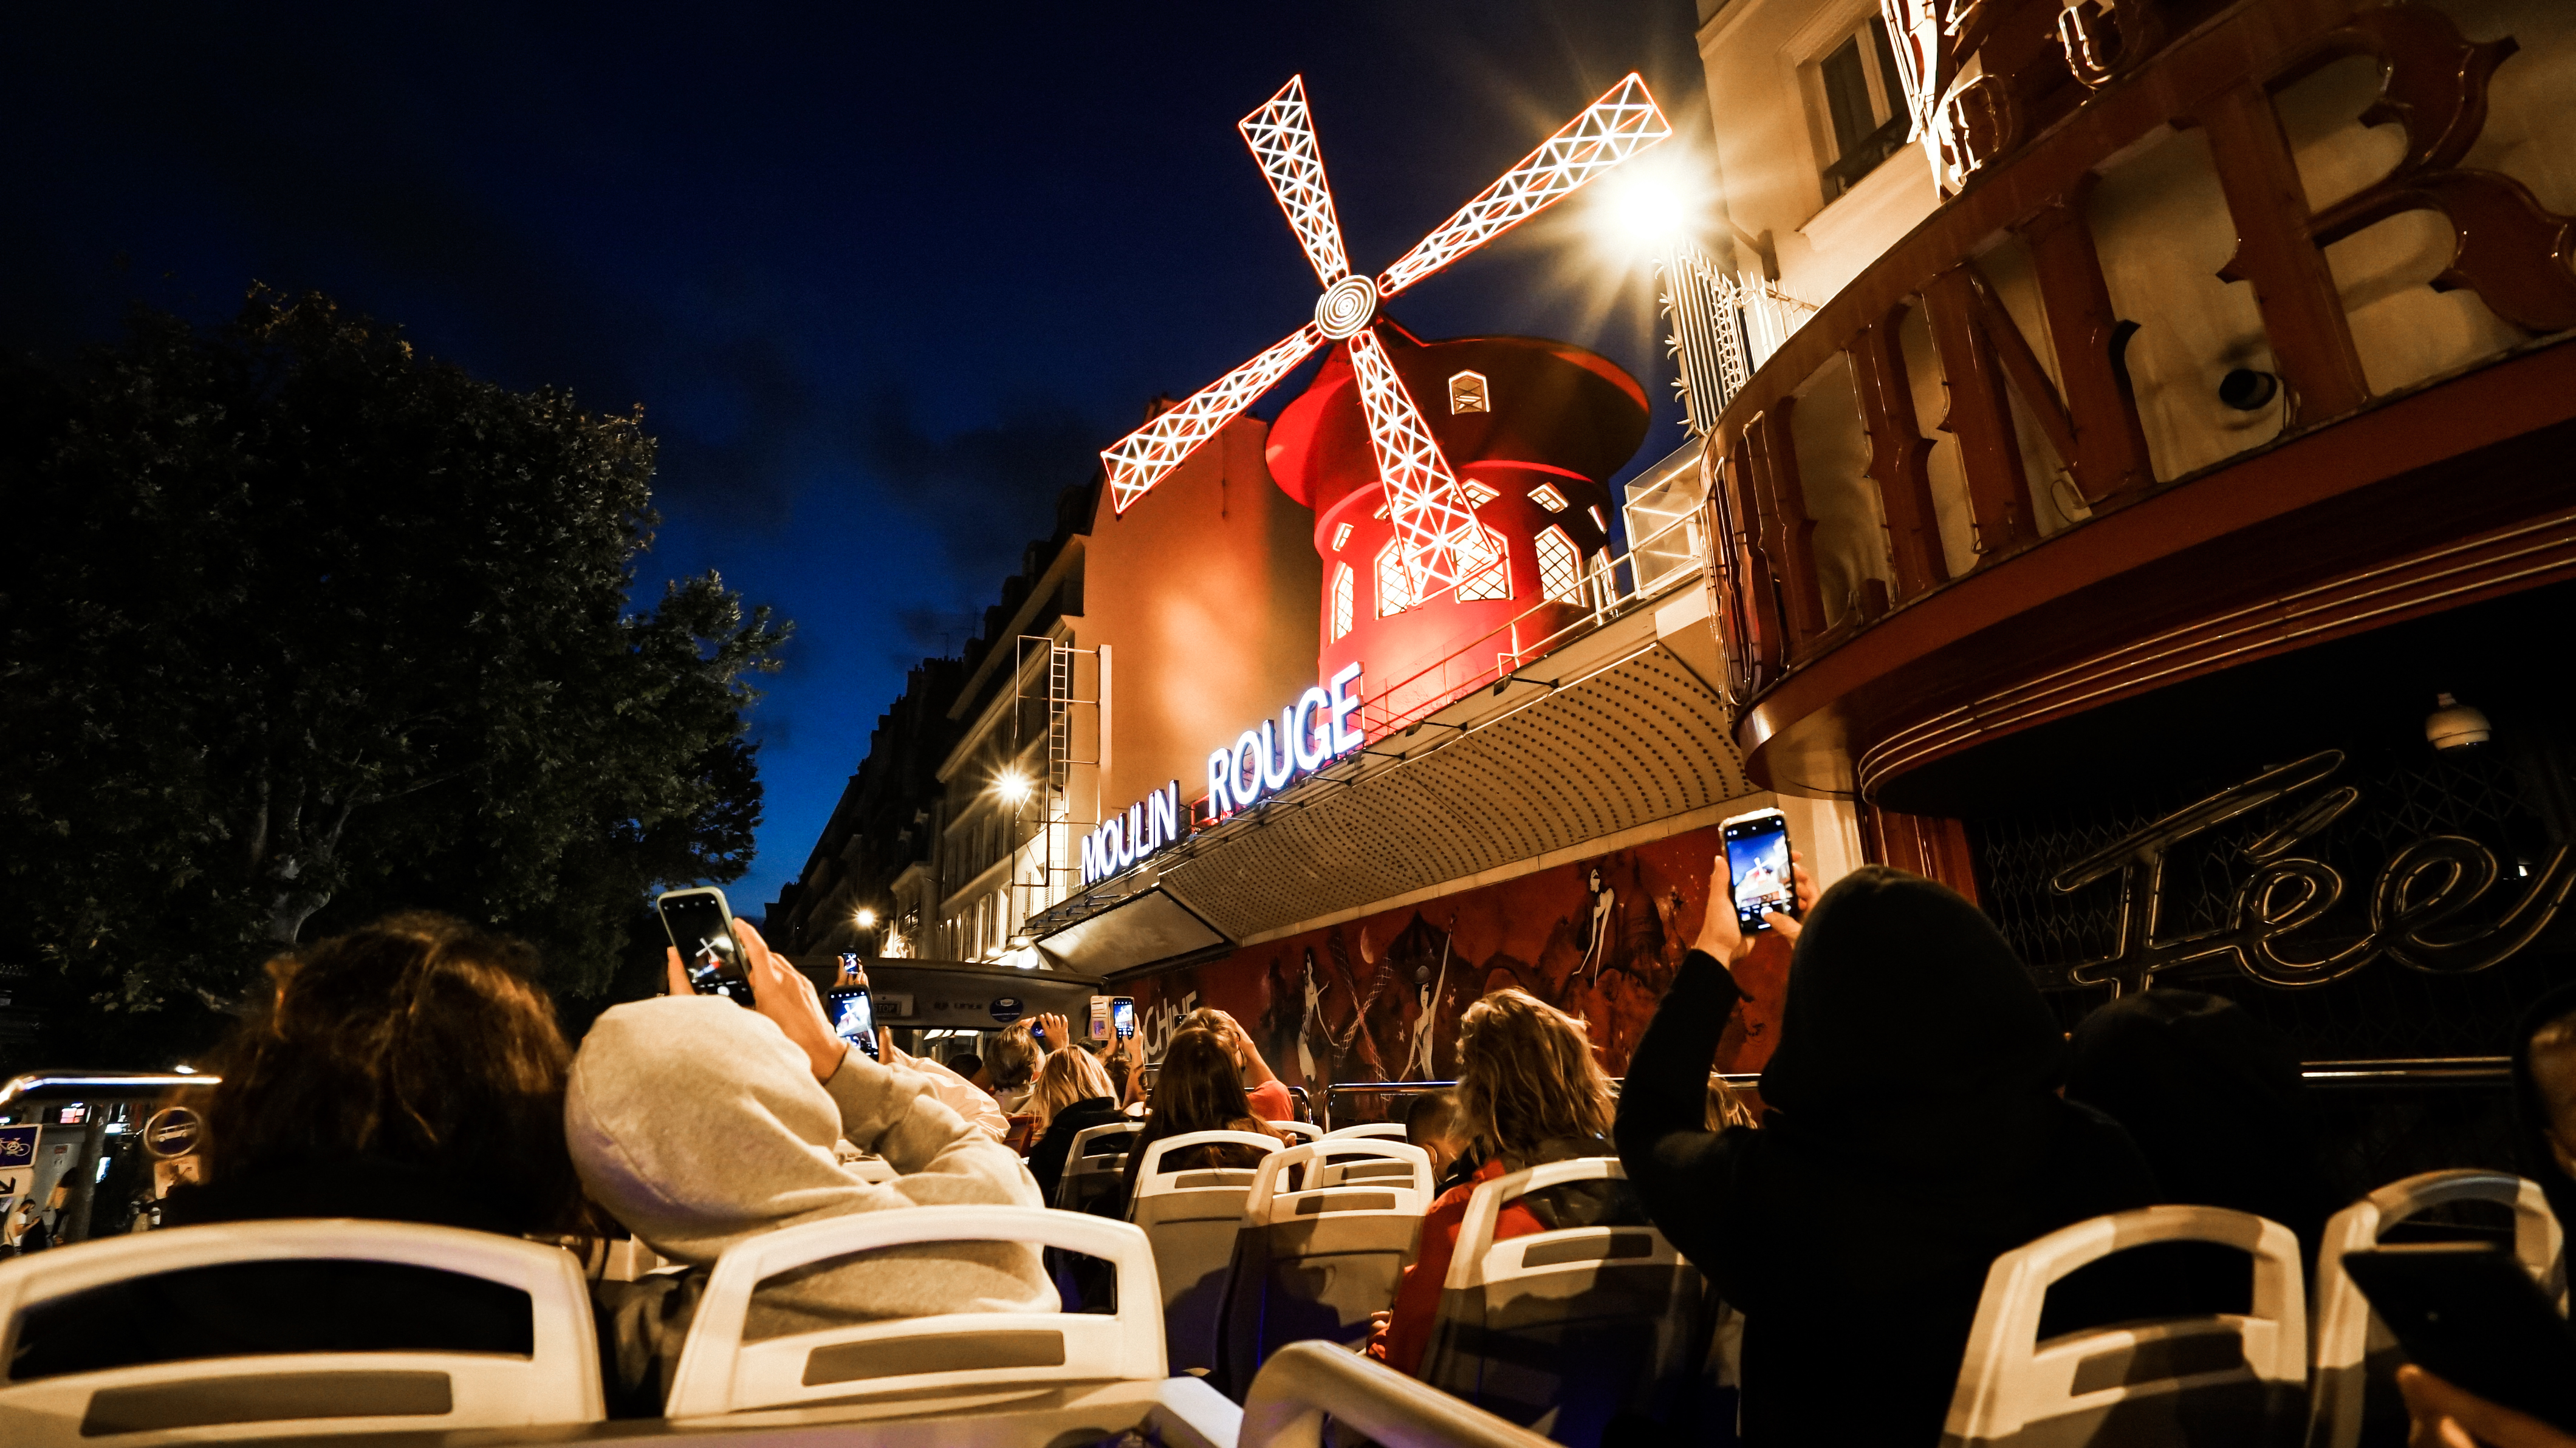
(1467, 393)
(1341, 535)
(1478, 495)
(1546, 496)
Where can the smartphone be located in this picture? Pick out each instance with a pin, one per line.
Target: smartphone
(2470, 1313)
(853, 1017)
(1113, 1017)
(853, 971)
(1757, 862)
(701, 929)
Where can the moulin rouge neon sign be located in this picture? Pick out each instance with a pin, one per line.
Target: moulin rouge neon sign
(1263, 760)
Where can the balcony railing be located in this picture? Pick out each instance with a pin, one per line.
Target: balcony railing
(2029, 194)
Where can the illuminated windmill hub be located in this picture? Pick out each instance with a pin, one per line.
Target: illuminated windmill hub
(1345, 308)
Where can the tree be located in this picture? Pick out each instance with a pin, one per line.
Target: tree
(304, 626)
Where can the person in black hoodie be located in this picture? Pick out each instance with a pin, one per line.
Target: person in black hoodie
(2214, 1100)
(1913, 1131)
(410, 1071)
(2544, 1086)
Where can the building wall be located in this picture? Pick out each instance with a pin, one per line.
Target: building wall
(1598, 938)
(1204, 593)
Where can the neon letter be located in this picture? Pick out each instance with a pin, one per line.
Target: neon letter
(1278, 756)
(1163, 815)
(1130, 838)
(1345, 701)
(1248, 770)
(1091, 870)
(1311, 753)
(1220, 794)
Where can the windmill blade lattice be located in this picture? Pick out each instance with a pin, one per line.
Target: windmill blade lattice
(1142, 457)
(1282, 137)
(1609, 131)
(1441, 540)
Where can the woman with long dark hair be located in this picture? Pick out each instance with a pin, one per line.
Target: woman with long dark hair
(411, 1070)
(1198, 1089)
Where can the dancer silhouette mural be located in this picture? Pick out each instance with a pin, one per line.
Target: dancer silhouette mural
(1378, 998)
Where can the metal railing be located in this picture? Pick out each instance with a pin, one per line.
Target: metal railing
(2400, 1071)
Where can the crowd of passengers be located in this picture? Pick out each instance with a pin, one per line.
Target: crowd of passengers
(1921, 1113)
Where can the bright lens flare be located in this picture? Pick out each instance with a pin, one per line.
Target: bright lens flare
(1012, 786)
(1644, 208)
(867, 918)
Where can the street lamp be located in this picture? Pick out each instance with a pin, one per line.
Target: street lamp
(867, 918)
(1012, 786)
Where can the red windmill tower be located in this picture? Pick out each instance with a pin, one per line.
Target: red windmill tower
(1418, 563)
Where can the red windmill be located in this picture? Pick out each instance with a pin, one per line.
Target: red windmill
(1438, 537)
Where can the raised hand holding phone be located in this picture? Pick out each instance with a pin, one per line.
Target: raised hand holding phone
(780, 992)
(1720, 933)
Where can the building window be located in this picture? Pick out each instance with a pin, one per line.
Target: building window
(1546, 496)
(1559, 571)
(1467, 393)
(1341, 535)
(1491, 580)
(1342, 600)
(1478, 495)
(1394, 586)
(1864, 106)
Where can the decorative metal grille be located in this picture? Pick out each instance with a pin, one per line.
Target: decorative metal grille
(1559, 572)
(1494, 580)
(1342, 599)
(1394, 586)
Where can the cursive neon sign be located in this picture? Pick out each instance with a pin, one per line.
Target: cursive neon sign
(2423, 888)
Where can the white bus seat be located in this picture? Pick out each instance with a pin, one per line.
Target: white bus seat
(914, 1359)
(1190, 1216)
(1570, 1331)
(2354, 1399)
(274, 1390)
(2223, 1378)
(1094, 1164)
(1389, 1130)
(1304, 1383)
(1316, 1261)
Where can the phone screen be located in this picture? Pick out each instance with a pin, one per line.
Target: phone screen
(2471, 1314)
(854, 1017)
(1122, 1016)
(1757, 858)
(699, 927)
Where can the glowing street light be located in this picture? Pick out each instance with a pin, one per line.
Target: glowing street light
(867, 919)
(1012, 786)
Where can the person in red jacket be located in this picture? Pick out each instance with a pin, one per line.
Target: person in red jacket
(1528, 1092)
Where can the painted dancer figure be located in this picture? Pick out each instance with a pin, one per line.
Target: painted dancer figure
(1418, 1065)
(1313, 1022)
(1605, 903)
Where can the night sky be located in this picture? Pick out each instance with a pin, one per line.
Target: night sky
(884, 280)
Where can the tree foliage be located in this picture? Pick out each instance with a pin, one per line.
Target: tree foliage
(304, 626)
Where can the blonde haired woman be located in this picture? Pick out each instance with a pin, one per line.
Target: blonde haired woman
(1528, 1092)
(1071, 1094)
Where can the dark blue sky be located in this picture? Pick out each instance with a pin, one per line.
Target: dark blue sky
(884, 279)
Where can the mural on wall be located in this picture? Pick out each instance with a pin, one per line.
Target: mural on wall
(1378, 998)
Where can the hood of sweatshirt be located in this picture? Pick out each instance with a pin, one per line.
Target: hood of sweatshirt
(696, 1122)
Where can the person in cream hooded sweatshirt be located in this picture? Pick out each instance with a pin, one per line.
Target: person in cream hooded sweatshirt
(698, 1124)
